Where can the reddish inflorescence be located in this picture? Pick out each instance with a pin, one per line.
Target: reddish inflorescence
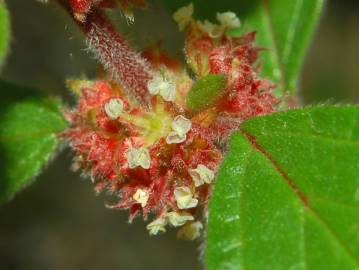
(161, 159)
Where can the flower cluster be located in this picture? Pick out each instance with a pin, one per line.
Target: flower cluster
(209, 50)
(161, 159)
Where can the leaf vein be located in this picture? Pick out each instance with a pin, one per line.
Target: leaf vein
(333, 234)
(292, 31)
(269, 22)
(301, 196)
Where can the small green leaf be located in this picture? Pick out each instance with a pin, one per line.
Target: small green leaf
(283, 27)
(206, 91)
(4, 31)
(29, 124)
(287, 194)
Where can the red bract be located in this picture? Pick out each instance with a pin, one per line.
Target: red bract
(161, 159)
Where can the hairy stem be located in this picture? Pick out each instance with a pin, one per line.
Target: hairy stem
(123, 63)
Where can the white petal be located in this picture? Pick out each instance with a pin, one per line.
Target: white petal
(144, 158)
(131, 156)
(201, 175)
(138, 157)
(153, 85)
(193, 203)
(184, 198)
(141, 196)
(181, 125)
(178, 219)
(196, 177)
(212, 30)
(174, 137)
(114, 108)
(156, 226)
(159, 86)
(228, 19)
(168, 92)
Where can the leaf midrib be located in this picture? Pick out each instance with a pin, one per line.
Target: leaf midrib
(303, 198)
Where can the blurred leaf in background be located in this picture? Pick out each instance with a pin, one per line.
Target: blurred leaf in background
(4, 32)
(331, 69)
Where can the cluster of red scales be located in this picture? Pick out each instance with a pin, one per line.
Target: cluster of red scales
(133, 131)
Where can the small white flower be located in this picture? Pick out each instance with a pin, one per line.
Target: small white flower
(138, 157)
(180, 127)
(160, 86)
(213, 30)
(181, 124)
(156, 226)
(141, 196)
(114, 108)
(190, 231)
(184, 198)
(178, 219)
(201, 175)
(228, 19)
(183, 16)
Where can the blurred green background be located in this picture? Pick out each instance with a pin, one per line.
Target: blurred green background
(58, 223)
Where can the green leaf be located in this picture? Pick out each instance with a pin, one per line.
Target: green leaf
(283, 27)
(4, 31)
(206, 91)
(287, 194)
(29, 124)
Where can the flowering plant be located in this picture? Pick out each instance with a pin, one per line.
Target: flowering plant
(211, 144)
